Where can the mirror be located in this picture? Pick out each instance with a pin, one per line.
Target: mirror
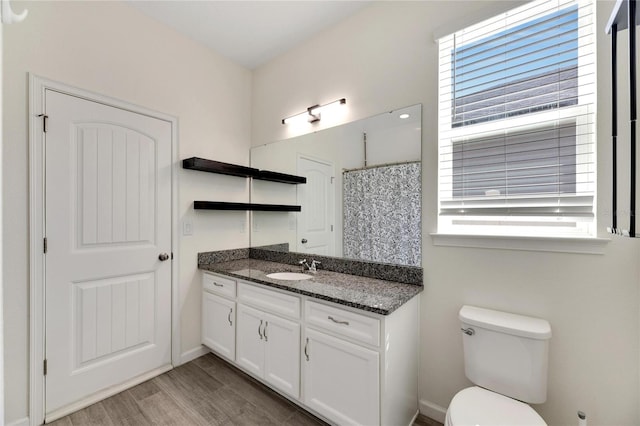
(362, 199)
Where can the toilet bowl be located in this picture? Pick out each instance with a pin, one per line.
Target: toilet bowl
(506, 357)
(477, 406)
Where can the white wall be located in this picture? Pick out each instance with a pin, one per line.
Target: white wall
(112, 49)
(385, 58)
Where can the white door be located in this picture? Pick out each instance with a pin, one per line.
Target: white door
(282, 354)
(341, 380)
(316, 220)
(218, 325)
(107, 220)
(250, 340)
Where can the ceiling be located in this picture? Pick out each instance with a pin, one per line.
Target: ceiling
(249, 33)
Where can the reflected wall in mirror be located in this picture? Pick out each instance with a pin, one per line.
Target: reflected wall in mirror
(362, 199)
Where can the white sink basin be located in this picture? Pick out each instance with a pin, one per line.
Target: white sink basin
(289, 276)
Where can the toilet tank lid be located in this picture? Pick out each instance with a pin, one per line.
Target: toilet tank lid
(518, 325)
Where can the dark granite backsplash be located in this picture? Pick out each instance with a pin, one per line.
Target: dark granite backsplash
(279, 253)
(222, 256)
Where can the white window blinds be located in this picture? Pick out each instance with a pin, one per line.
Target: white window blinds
(517, 121)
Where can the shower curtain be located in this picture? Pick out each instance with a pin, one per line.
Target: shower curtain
(382, 214)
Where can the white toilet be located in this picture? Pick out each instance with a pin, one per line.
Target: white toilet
(505, 355)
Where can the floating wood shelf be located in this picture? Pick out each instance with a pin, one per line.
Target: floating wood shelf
(279, 177)
(210, 166)
(221, 205)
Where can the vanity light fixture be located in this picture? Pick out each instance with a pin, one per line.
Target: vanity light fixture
(404, 116)
(312, 114)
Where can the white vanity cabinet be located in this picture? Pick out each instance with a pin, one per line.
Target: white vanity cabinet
(346, 365)
(268, 345)
(219, 315)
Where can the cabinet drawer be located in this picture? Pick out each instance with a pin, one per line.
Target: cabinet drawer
(219, 285)
(269, 300)
(345, 323)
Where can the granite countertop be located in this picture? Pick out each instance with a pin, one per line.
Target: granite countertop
(369, 294)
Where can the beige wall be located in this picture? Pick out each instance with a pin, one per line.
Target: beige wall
(385, 58)
(112, 49)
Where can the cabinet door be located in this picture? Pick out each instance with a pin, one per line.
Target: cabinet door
(218, 325)
(341, 380)
(282, 354)
(250, 340)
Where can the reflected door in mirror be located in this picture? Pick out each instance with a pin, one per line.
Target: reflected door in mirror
(315, 221)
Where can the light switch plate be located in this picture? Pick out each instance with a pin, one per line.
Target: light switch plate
(187, 227)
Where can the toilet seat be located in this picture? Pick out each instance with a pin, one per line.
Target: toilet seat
(477, 406)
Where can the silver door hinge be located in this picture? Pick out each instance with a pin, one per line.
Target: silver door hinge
(45, 245)
(44, 121)
(332, 178)
(45, 367)
(331, 228)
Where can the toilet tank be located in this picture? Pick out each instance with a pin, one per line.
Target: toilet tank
(506, 353)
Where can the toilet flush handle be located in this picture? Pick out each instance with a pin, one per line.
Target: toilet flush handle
(468, 331)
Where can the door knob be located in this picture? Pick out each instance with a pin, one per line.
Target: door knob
(304, 241)
(163, 257)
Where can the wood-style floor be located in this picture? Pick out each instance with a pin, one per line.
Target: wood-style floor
(205, 391)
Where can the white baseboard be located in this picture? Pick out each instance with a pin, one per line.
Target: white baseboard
(432, 410)
(192, 354)
(19, 422)
(414, 418)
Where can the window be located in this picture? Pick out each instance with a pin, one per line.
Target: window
(517, 123)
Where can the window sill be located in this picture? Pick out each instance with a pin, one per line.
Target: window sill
(547, 244)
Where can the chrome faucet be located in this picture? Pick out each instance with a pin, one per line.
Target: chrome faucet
(313, 268)
(304, 263)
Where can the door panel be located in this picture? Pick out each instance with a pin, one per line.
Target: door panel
(218, 325)
(282, 354)
(341, 380)
(107, 218)
(114, 207)
(111, 316)
(249, 340)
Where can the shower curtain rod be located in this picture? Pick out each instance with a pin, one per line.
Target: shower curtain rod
(399, 163)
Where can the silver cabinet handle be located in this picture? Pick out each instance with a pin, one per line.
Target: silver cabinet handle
(218, 285)
(229, 317)
(338, 321)
(303, 241)
(264, 331)
(306, 347)
(260, 332)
